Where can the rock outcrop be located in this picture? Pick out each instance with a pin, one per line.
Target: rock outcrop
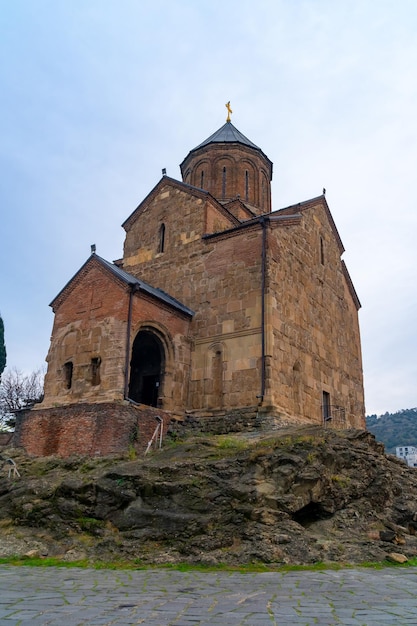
(297, 495)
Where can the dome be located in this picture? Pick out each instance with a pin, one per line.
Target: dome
(230, 166)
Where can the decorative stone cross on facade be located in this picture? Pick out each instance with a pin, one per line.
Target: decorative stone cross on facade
(229, 111)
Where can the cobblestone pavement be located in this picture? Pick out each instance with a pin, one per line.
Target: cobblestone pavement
(75, 597)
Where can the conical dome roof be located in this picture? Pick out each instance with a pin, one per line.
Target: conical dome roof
(227, 134)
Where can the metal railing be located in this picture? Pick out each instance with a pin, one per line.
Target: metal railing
(157, 435)
(334, 416)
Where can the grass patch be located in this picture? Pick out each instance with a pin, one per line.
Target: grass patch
(248, 568)
(229, 442)
(90, 524)
(342, 481)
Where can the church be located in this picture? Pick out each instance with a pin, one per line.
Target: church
(219, 305)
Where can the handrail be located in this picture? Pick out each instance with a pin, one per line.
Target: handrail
(159, 429)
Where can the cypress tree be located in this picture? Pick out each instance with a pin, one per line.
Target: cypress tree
(2, 348)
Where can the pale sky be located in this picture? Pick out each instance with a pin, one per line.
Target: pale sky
(97, 96)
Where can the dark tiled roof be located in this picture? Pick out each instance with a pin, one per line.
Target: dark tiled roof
(227, 134)
(153, 291)
(131, 280)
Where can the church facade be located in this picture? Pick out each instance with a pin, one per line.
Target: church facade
(218, 304)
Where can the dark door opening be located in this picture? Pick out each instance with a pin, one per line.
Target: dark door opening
(146, 368)
(150, 388)
(326, 407)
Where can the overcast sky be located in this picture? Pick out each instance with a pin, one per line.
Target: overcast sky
(97, 96)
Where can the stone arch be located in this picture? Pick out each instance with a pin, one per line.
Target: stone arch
(150, 354)
(216, 359)
(249, 183)
(68, 358)
(200, 174)
(224, 174)
(264, 192)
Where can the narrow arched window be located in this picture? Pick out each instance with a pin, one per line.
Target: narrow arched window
(68, 370)
(95, 371)
(224, 184)
(202, 179)
(161, 247)
(247, 185)
(263, 195)
(217, 373)
(321, 251)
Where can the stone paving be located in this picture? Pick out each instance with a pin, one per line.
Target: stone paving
(76, 597)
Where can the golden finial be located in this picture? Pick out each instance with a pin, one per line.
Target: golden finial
(229, 111)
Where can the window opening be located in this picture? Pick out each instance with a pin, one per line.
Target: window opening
(202, 179)
(217, 373)
(161, 238)
(224, 184)
(95, 371)
(326, 407)
(321, 251)
(68, 371)
(247, 185)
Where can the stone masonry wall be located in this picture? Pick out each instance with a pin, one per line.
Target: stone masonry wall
(312, 332)
(218, 278)
(313, 323)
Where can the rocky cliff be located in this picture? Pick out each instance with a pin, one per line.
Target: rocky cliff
(297, 495)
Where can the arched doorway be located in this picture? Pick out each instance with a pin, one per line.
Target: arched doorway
(146, 368)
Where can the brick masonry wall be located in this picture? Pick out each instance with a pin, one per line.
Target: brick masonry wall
(91, 322)
(247, 174)
(87, 429)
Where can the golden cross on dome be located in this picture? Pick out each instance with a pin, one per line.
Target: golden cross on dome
(229, 111)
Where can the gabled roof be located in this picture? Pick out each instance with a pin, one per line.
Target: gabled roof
(308, 204)
(128, 279)
(288, 213)
(190, 189)
(237, 203)
(256, 222)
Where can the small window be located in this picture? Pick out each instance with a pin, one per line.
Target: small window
(161, 247)
(224, 184)
(321, 250)
(95, 371)
(202, 179)
(247, 185)
(326, 407)
(68, 370)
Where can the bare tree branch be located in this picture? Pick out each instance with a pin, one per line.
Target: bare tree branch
(17, 392)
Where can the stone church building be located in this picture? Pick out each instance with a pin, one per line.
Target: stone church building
(219, 307)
